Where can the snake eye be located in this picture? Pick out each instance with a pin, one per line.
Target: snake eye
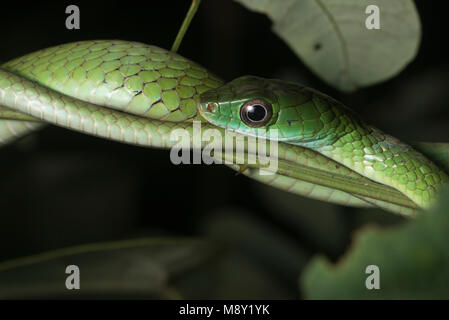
(255, 113)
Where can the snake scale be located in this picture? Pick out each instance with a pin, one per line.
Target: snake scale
(136, 93)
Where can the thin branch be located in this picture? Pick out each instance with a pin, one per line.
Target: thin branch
(185, 24)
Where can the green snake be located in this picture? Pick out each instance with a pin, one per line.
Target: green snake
(136, 93)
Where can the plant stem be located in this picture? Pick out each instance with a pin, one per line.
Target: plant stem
(185, 24)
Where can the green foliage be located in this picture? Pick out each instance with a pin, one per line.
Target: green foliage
(413, 260)
(332, 40)
(129, 268)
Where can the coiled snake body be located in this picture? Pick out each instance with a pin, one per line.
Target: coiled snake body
(136, 93)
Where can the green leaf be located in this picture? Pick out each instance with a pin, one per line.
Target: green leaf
(129, 268)
(331, 38)
(413, 261)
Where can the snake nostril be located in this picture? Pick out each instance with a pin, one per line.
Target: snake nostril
(210, 107)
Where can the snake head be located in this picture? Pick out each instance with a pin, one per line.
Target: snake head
(253, 106)
(244, 105)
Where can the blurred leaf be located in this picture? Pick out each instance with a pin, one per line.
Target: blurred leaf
(234, 275)
(321, 223)
(261, 261)
(129, 268)
(331, 38)
(413, 260)
(258, 239)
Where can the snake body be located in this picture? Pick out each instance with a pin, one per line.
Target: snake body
(305, 117)
(136, 93)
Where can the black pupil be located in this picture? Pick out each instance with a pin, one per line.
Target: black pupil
(256, 112)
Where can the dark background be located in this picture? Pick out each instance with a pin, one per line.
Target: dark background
(60, 188)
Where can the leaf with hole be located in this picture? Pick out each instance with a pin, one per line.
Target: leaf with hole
(331, 37)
